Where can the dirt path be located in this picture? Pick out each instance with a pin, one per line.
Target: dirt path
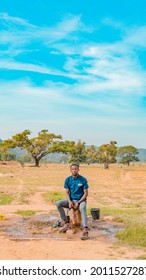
(65, 250)
(125, 176)
(35, 198)
(7, 209)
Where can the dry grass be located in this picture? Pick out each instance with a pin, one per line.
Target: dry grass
(119, 191)
(117, 187)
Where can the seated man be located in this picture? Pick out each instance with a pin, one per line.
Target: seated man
(76, 191)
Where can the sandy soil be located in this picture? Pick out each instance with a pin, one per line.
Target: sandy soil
(98, 247)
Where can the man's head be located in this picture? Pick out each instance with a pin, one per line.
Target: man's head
(74, 168)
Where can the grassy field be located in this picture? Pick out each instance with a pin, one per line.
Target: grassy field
(119, 192)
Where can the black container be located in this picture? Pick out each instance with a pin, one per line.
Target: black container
(95, 212)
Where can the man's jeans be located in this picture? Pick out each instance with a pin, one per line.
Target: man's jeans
(61, 204)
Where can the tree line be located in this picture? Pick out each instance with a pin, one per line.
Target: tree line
(45, 143)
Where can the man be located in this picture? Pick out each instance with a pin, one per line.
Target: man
(76, 192)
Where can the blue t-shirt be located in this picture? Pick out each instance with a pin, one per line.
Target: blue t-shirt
(76, 186)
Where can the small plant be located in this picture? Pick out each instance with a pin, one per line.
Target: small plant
(53, 196)
(21, 161)
(26, 212)
(6, 199)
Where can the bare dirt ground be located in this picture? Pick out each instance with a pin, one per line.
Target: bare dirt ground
(118, 187)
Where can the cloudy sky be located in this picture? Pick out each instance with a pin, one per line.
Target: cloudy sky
(76, 68)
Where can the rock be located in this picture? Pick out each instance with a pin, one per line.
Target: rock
(70, 231)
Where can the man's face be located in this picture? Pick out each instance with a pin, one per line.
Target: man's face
(74, 170)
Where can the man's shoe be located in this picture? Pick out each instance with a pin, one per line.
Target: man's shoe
(84, 235)
(58, 224)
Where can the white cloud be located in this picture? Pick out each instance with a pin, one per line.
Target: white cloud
(136, 37)
(96, 68)
(57, 107)
(8, 20)
(113, 66)
(11, 64)
(19, 32)
(71, 65)
(60, 94)
(113, 23)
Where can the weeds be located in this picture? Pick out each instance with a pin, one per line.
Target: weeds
(6, 199)
(26, 212)
(124, 212)
(134, 234)
(53, 196)
(135, 228)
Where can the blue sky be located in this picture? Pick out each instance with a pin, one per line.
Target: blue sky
(76, 68)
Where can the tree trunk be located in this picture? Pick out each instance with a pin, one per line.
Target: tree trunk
(106, 165)
(37, 162)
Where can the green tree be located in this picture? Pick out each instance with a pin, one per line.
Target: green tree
(78, 152)
(127, 154)
(8, 156)
(92, 154)
(107, 153)
(39, 146)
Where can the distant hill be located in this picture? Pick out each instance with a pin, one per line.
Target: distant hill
(142, 155)
(18, 152)
(52, 157)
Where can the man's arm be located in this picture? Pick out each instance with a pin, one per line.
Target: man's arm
(82, 198)
(68, 198)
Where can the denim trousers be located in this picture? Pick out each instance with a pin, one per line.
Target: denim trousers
(61, 204)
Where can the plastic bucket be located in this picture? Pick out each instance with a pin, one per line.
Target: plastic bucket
(95, 212)
(2, 217)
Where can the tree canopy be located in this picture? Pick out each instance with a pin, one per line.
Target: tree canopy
(127, 154)
(92, 154)
(107, 153)
(39, 146)
(78, 152)
(8, 156)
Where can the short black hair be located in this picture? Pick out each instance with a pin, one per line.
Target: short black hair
(76, 164)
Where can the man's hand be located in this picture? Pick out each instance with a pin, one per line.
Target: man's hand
(76, 205)
(70, 205)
